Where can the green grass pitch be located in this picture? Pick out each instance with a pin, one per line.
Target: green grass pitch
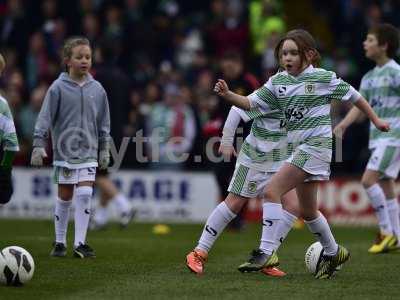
(136, 264)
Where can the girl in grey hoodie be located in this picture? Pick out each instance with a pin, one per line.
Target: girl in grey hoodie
(75, 111)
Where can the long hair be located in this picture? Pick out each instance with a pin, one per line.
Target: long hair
(306, 44)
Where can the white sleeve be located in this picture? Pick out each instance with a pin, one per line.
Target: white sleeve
(354, 95)
(230, 126)
(243, 114)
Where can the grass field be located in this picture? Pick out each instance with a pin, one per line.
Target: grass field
(136, 264)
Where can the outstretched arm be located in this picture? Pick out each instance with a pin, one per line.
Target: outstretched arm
(222, 90)
(363, 105)
(349, 119)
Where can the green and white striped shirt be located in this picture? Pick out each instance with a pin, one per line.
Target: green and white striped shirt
(8, 135)
(381, 87)
(305, 100)
(265, 148)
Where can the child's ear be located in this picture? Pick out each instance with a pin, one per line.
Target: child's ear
(310, 54)
(66, 62)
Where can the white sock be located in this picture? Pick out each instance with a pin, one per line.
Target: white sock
(61, 218)
(101, 215)
(272, 216)
(216, 223)
(122, 203)
(83, 194)
(378, 202)
(321, 229)
(284, 226)
(393, 211)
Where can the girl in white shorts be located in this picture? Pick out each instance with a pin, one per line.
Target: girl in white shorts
(304, 94)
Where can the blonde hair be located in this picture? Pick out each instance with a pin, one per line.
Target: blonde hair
(2, 63)
(70, 44)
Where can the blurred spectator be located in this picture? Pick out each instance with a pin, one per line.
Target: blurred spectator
(114, 27)
(135, 128)
(37, 60)
(29, 113)
(91, 28)
(240, 81)
(133, 11)
(151, 97)
(13, 27)
(231, 32)
(188, 48)
(117, 86)
(265, 20)
(89, 6)
(171, 128)
(26, 122)
(268, 62)
(10, 56)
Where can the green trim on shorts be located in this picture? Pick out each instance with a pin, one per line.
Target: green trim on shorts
(300, 159)
(387, 158)
(240, 179)
(56, 175)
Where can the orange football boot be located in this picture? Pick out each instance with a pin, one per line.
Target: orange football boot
(273, 271)
(195, 261)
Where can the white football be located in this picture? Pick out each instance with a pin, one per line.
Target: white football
(312, 257)
(16, 266)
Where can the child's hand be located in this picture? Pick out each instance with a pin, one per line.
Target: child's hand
(382, 125)
(38, 153)
(221, 88)
(227, 150)
(104, 159)
(339, 130)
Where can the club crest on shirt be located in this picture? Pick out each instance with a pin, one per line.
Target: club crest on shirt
(252, 186)
(309, 88)
(67, 173)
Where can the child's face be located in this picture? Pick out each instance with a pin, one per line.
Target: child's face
(372, 48)
(290, 57)
(80, 61)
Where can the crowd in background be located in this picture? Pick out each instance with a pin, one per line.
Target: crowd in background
(158, 61)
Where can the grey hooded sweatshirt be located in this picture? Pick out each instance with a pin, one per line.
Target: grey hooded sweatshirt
(78, 118)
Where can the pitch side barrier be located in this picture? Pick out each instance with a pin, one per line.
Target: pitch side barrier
(186, 197)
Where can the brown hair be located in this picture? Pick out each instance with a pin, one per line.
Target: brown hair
(304, 41)
(70, 44)
(2, 63)
(387, 34)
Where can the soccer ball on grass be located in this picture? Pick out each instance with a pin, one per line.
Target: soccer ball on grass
(313, 257)
(16, 266)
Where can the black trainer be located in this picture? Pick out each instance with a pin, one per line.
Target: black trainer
(59, 250)
(259, 260)
(84, 251)
(127, 217)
